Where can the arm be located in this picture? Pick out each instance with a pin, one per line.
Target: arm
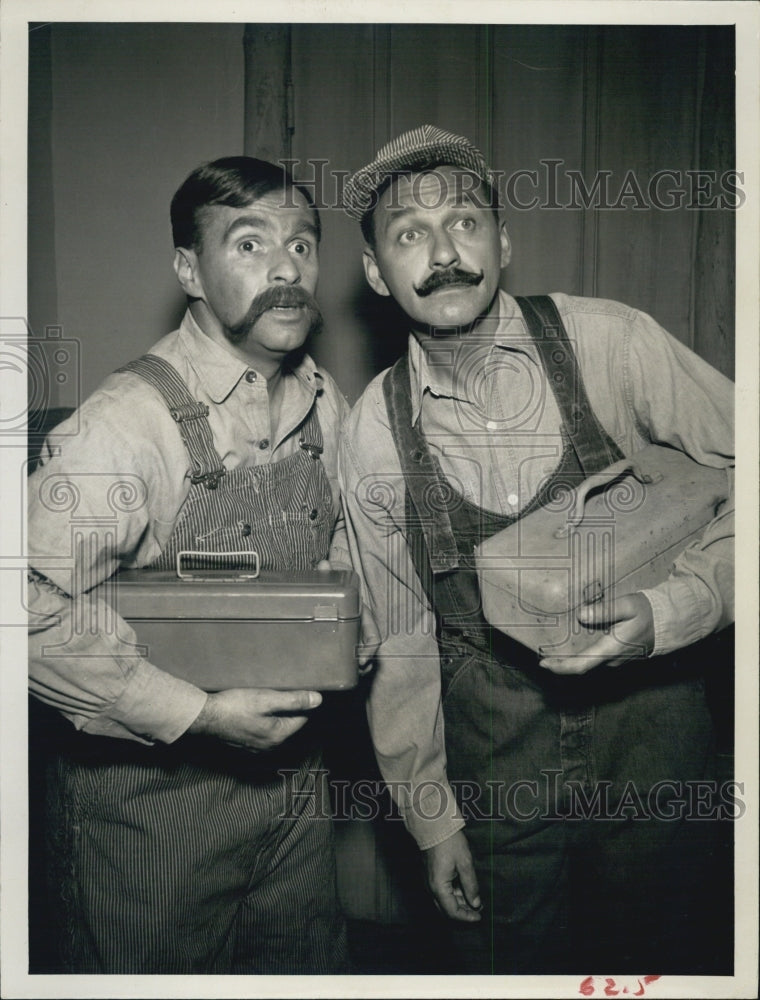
(404, 706)
(90, 510)
(87, 517)
(670, 397)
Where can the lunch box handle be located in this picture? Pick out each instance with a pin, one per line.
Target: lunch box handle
(603, 478)
(251, 574)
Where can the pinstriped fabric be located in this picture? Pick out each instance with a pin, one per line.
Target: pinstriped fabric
(198, 857)
(189, 414)
(190, 867)
(283, 511)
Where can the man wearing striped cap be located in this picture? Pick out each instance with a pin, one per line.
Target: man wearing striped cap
(488, 747)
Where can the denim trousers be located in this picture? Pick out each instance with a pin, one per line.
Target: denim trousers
(590, 850)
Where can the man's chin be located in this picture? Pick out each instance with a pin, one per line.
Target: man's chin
(449, 322)
(451, 310)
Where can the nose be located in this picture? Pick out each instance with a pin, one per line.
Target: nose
(443, 253)
(283, 267)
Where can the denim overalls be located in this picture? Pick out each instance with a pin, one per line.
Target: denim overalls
(197, 856)
(562, 881)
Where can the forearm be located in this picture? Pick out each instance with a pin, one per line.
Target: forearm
(84, 663)
(404, 705)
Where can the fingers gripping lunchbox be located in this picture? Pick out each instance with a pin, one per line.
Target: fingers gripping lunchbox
(227, 627)
(618, 532)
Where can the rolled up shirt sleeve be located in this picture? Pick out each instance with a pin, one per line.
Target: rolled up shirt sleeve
(404, 704)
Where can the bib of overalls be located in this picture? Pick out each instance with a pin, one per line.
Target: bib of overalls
(283, 511)
(443, 528)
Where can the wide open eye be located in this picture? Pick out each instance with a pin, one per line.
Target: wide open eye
(465, 225)
(300, 248)
(409, 236)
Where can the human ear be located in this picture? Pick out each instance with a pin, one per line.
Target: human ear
(186, 269)
(506, 246)
(372, 272)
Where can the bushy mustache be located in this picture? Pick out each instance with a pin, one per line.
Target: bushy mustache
(272, 296)
(451, 276)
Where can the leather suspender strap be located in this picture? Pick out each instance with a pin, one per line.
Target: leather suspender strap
(593, 445)
(190, 416)
(421, 471)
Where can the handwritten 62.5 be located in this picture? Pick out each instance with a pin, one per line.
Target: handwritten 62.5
(604, 986)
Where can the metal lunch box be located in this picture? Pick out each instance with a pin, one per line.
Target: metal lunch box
(617, 533)
(226, 628)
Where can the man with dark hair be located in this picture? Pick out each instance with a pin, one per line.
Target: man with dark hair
(486, 745)
(187, 829)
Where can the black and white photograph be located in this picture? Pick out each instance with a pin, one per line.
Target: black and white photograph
(379, 541)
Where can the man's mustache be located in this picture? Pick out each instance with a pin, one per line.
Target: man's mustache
(451, 276)
(292, 296)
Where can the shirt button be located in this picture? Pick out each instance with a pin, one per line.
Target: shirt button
(245, 530)
(250, 377)
(264, 444)
(313, 514)
(512, 499)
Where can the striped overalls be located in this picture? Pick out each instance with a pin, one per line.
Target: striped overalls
(198, 857)
(565, 888)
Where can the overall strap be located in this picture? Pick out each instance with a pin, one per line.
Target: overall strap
(310, 438)
(421, 474)
(593, 445)
(190, 416)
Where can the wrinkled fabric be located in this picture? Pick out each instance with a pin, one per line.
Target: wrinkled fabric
(113, 484)
(493, 424)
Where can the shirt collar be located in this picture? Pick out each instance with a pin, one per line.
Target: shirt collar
(436, 370)
(219, 371)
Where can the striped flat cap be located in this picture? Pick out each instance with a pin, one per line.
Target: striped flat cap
(420, 147)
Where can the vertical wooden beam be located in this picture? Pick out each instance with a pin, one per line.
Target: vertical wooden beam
(267, 124)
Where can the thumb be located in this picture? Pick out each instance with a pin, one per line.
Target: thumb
(290, 701)
(606, 612)
(468, 880)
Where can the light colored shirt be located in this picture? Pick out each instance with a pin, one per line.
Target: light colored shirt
(492, 421)
(116, 476)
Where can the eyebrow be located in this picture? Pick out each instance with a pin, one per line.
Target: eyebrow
(254, 221)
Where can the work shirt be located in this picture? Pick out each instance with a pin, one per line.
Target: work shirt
(112, 484)
(491, 419)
